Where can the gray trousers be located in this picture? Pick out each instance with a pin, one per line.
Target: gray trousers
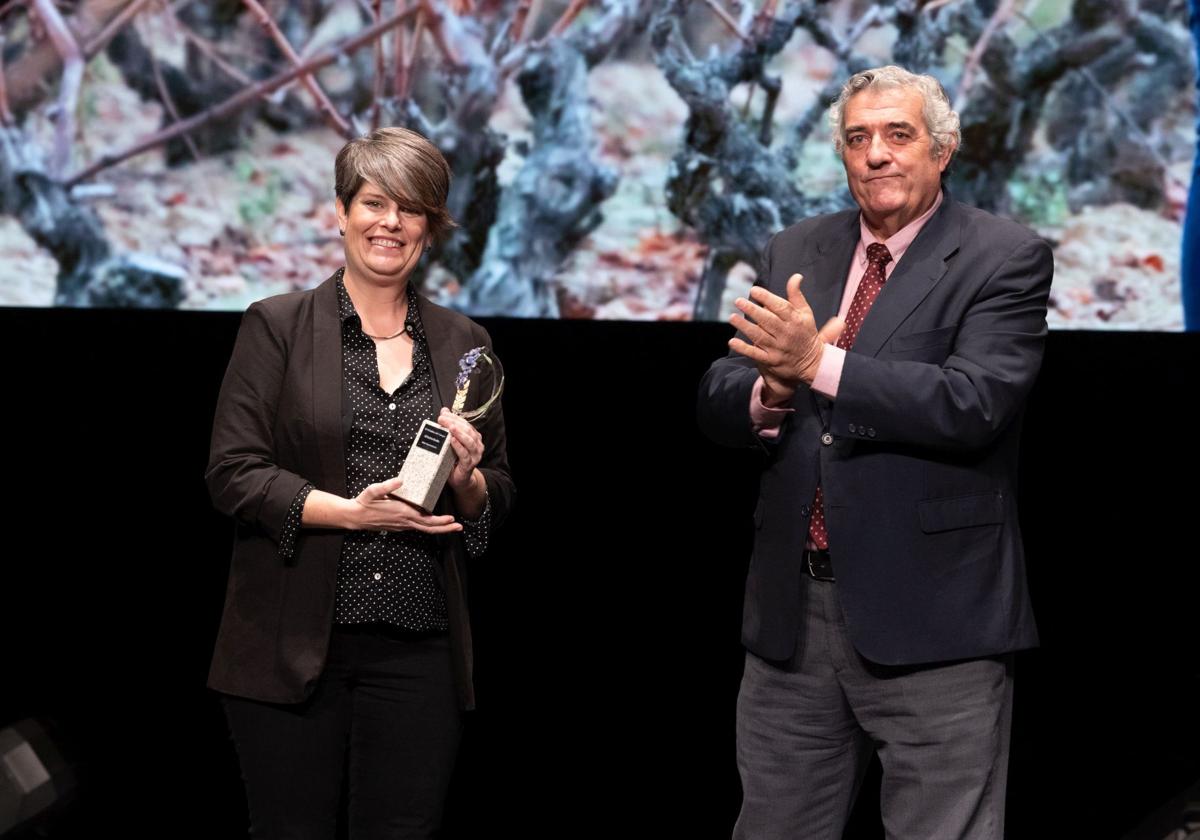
(806, 729)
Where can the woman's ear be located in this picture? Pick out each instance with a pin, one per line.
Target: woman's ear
(341, 215)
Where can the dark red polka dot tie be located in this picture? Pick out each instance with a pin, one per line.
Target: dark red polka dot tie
(868, 289)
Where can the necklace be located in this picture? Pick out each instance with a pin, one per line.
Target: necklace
(401, 331)
(341, 273)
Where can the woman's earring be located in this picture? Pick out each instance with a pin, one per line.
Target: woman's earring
(342, 232)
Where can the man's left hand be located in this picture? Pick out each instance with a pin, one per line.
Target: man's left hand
(787, 345)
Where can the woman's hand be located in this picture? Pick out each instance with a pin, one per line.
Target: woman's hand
(468, 446)
(375, 509)
(466, 482)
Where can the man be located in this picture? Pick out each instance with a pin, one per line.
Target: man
(886, 591)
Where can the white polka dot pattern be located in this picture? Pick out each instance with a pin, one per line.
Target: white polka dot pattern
(394, 577)
(291, 524)
(385, 576)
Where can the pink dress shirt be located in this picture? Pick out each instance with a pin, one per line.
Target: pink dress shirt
(766, 420)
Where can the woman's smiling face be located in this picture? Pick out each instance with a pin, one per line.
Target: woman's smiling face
(384, 239)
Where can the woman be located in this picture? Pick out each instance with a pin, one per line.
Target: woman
(345, 644)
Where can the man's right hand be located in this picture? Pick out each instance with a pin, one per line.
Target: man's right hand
(787, 346)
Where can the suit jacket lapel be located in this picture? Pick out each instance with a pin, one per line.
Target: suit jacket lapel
(448, 341)
(825, 280)
(445, 348)
(828, 281)
(923, 265)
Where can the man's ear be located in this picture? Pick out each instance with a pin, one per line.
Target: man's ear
(946, 156)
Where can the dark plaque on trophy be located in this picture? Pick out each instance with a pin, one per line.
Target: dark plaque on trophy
(432, 438)
(431, 457)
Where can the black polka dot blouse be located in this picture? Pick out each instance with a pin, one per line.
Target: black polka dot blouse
(393, 577)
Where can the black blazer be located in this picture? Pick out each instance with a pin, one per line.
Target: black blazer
(281, 422)
(918, 453)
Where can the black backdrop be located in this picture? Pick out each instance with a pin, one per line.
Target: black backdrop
(607, 618)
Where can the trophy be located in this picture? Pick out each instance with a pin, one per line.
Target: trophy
(431, 457)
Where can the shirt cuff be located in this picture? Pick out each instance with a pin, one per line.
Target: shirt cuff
(291, 523)
(764, 420)
(829, 371)
(477, 531)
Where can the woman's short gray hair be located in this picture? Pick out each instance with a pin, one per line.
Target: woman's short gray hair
(404, 165)
(941, 121)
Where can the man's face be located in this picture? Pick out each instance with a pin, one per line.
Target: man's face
(887, 153)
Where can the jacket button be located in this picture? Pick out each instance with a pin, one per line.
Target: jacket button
(852, 428)
(804, 510)
(871, 432)
(826, 439)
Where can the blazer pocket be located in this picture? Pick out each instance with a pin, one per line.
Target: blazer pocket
(961, 512)
(920, 340)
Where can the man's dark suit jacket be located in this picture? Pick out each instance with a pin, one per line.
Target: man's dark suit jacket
(918, 453)
(281, 421)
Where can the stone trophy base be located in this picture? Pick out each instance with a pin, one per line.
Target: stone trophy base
(427, 466)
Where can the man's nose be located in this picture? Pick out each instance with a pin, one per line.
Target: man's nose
(879, 152)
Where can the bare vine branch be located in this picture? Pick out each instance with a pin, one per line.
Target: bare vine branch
(244, 97)
(68, 97)
(100, 40)
(727, 19)
(765, 17)
(9, 6)
(398, 53)
(377, 77)
(1003, 12)
(169, 103)
(519, 19)
(569, 14)
(418, 36)
(6, 116)
(432, 19)
(213, 54)
(1109, 102)
(335, 120)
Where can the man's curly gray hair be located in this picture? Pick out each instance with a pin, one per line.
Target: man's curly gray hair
(941, 121)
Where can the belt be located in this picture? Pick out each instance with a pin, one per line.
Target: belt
(818, 564)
